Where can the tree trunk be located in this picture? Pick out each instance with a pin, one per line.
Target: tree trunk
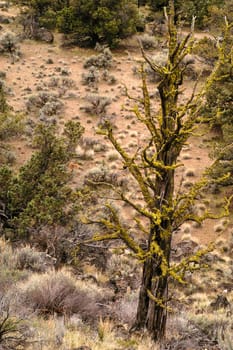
(152, 310)
(157, 313)
(152, 304)
(143, 303)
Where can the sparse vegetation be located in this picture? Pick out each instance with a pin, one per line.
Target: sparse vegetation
(97, 104)
(9, 44)
(12, 329)
(102, 60)
(59, 287)
(57, 292)
(148, 41)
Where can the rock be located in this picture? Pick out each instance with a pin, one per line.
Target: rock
(4, 20)
(45, 35)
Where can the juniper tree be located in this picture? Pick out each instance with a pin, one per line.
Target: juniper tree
(95, 21)
(152, 168)
(40, 194)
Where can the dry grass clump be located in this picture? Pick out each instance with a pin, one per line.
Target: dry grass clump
(9, 274)
(29, 258)
(84, 154)
(121, 265)
(112, 156)
(107, 337)
(58, 292)
(7, 256)
(225, 337)
(12, 328)
(125, 308)
(148, 41)
(211, 323)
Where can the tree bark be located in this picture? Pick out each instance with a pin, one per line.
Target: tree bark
(153, 295)
(152, 310)
(157, 314)
(143, 303)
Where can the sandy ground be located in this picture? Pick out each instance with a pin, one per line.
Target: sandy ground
(32, 72)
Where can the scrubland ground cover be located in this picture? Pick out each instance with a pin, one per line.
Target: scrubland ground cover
(54, 291)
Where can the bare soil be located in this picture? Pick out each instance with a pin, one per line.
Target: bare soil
(33, 72)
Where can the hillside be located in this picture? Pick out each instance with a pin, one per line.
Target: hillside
(86, 297)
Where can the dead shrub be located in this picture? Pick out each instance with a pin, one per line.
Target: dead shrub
(29, 258)
(9, 274)
(57, 292)
(12, 329)
(122, 266)
(63, 245)
(125, 308)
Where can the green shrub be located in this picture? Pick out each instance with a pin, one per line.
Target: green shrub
(10, 125)
(93, 21)
(97, 104)
(103, 60)
(39, 195)
(90, 77)
(9, 43)
(206, 48)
